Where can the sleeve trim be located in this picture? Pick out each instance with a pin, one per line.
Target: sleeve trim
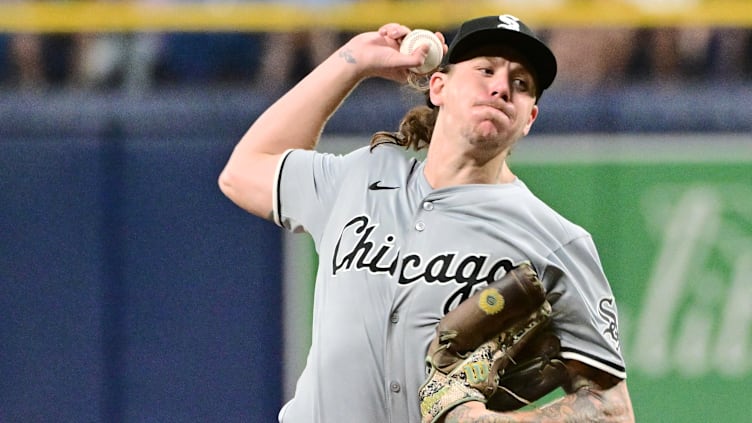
(276, 203)
(608, 367)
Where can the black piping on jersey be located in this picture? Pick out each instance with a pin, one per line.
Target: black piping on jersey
(279, 187)
(614, 366)
(412, 169)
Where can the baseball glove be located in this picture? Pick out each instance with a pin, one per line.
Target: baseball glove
(474, 354)
(535, 371)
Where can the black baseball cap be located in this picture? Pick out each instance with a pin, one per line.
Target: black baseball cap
(504, 30)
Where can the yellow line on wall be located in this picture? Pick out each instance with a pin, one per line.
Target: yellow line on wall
(87, 16)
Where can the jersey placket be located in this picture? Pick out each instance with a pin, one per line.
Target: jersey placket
(402, 350)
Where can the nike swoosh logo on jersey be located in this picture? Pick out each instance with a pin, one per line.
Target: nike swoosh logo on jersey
(375, 186)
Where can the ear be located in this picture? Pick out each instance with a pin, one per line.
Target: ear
(531, 119)
(436, 88)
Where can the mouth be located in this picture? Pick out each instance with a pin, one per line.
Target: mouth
(498, 107)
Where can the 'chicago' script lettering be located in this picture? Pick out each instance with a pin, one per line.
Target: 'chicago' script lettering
(361, 254)
(467, 271)
(356, 250)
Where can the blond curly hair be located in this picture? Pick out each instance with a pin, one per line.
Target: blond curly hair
(416, 127)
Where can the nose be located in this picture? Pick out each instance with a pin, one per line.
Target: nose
(500, 86)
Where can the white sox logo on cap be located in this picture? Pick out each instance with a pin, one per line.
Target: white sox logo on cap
(504, 30)
(509, 22)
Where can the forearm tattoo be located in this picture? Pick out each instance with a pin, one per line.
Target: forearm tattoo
(346, 54)
(582, 406)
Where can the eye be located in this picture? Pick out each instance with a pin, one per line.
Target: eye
(486, 70)
(521, 84)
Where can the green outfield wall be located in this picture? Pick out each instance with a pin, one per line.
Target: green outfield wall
(672, 219)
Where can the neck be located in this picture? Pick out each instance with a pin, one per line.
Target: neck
(505, 175)
(443, 172)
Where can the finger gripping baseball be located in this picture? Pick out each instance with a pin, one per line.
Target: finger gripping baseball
(476, 341)
(434, 52)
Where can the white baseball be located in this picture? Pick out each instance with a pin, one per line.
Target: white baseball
(418, 37)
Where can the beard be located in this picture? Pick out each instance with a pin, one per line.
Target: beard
(489, 135)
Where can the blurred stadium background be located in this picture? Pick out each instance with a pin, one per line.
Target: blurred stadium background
(132, 291)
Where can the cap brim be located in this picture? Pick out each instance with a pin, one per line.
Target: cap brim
(541, 58)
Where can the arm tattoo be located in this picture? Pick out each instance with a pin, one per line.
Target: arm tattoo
(581, 406)
(346, 54)
(462, 414)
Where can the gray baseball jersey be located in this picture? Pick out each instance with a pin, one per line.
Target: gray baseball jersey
(395, 256)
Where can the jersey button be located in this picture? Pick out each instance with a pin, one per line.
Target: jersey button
(420, 226)
(394, 318)
(428, 206)
(395, 387)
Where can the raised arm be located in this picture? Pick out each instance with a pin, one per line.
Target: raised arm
(296, 120)
(592, 396)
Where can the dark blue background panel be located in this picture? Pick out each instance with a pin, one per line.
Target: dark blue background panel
(131, 289)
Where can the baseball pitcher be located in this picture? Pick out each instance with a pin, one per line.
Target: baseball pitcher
(446, 290)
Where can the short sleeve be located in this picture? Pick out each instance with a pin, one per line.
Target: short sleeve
(584, 309)
(306, 186)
